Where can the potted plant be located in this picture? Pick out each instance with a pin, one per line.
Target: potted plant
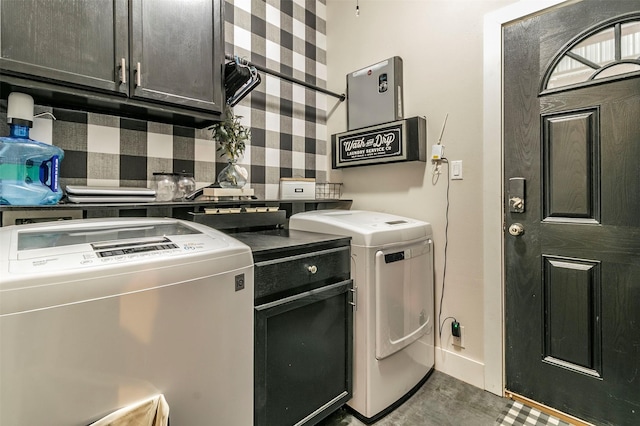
(231, 137)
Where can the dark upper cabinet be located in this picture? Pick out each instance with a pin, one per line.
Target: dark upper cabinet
(71, 42)
(154, 59)
(173, 52)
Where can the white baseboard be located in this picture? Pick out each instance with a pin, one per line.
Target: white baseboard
(462, 368)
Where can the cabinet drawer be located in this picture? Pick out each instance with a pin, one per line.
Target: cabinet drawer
(294, 274)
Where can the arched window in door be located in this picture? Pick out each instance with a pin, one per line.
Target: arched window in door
(607, 51)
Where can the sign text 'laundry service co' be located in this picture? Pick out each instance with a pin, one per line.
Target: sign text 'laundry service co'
(403, 140)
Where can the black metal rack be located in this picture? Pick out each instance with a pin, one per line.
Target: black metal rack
(282, 76)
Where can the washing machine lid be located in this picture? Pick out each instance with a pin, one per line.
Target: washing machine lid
(366, 228)
(67, 247)
(98, 234)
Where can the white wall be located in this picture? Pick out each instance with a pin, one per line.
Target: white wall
(441, 44)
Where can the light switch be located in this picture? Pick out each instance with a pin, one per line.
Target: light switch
(456, 170)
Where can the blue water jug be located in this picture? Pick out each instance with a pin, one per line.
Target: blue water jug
(29, 169)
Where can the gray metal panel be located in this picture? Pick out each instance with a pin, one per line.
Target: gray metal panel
(374, 94)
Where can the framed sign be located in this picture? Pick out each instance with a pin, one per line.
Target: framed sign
(402, 140)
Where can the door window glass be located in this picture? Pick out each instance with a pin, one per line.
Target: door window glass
(606, 53)
(631, 40)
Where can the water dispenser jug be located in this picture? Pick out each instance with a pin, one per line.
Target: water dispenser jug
(29, 169)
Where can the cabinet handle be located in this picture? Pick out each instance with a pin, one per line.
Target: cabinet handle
(123, 71)
(138, 75)
(354, 303)
(313, 269)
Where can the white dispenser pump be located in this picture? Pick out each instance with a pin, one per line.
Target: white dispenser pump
(20, 109)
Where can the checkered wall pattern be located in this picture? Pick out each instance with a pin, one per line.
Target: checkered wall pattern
(105, 150)
(288, 121)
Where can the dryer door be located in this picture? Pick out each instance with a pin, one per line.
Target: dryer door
(404, 296)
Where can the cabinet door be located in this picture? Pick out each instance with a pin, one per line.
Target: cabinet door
(303, 356)
(70, 42)
(177, 52)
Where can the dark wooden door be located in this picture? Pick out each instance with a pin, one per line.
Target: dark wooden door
(572, 292)
(177, 52)
(71, 42)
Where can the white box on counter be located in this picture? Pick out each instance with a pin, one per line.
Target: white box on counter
(297, 188)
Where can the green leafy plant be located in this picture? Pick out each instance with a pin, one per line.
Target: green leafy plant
(230, 135)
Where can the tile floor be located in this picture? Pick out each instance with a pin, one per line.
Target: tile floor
(441, 401)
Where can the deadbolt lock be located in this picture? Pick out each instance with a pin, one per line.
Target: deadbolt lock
(516, 204)
(516, 194)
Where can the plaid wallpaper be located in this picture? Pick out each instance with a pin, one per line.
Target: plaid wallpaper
(288, 121)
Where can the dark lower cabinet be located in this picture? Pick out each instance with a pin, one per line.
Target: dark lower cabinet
(303, 352)
(304, 308)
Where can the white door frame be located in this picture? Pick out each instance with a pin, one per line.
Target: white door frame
(492, 187)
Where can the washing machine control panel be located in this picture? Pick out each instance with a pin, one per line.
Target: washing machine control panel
(395, 222)
(124, 249)
(135, 250)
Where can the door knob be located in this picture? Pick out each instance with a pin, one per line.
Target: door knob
(516, 229)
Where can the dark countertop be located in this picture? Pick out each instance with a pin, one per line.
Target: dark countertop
(278, 243)
(192, 210)
(175, 204)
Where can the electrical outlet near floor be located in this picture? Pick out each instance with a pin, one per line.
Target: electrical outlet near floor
(459, 341)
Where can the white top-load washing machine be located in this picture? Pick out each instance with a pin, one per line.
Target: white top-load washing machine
(99, 314)
(392, 269)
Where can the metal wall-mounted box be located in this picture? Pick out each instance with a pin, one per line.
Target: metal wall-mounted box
(403, 140)
(374, 94)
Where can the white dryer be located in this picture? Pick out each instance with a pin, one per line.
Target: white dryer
(392, 269)
(97, 315)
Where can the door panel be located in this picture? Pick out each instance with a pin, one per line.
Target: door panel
(572, 312)
(570, 163)
(571, 280)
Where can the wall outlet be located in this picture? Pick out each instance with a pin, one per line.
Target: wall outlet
(459, 341)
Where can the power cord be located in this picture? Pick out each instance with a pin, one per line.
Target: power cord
(436, 176)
